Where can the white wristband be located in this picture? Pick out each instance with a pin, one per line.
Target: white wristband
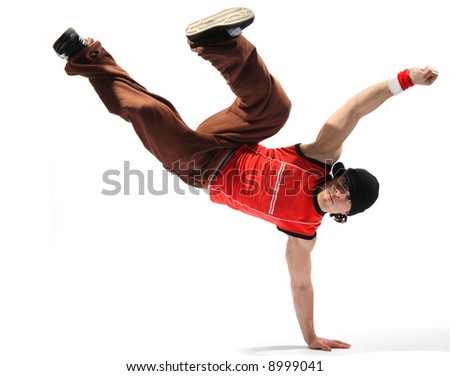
(394, 86)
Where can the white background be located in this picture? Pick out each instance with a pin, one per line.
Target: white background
(91, 282)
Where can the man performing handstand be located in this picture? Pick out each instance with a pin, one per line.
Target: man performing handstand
(292, 187)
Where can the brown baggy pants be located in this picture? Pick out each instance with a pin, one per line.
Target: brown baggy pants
(259, 111)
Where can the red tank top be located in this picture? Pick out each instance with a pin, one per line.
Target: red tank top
(278, 185)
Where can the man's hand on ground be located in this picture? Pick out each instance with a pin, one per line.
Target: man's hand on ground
(327, 344)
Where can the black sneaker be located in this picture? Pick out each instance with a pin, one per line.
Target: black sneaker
(229, 23)
(69, 44)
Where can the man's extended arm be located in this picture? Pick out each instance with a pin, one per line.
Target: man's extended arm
(328, 145)
(299, 264)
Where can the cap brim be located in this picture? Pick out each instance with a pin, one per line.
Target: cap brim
(355, 188)
(338, 170)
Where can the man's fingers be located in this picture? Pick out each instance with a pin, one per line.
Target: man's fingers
(320, 346)
(340, 344)
(430, 73)
(427, 75)
(335, 344)
(328, 344)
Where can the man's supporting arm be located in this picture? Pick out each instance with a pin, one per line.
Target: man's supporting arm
(298, 257)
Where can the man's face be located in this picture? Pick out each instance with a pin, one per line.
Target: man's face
(338, 196)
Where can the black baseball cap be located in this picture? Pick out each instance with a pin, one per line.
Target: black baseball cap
(363, 187)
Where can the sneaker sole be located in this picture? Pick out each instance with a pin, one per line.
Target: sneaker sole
(62, 39)
(61, 45)
(227, 19)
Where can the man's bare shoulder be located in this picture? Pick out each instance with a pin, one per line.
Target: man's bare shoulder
(312, 151)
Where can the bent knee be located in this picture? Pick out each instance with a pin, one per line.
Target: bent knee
(281, 104)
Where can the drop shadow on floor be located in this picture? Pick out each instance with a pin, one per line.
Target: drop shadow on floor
(410, 340)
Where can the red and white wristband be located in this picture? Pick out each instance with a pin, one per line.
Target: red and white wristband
(400, 83)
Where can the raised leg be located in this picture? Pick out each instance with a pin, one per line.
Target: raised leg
(155, 120)
(261, 107)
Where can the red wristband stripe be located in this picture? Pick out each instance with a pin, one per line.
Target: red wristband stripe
(404, 79)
